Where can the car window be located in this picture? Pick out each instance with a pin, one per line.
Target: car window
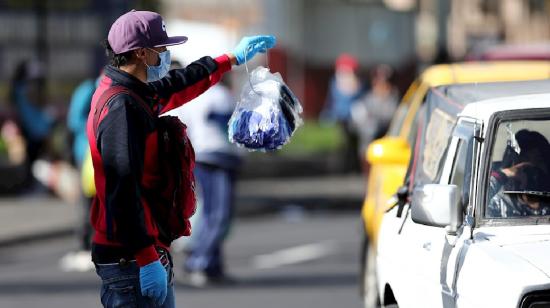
(460, 175)
(518, 183)
(427, 163)
(411, 137)
(438, 130)
(462, 167)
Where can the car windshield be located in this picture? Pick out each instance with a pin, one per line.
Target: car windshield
(519, 183)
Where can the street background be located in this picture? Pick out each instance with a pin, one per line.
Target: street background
(326, 276)
(297, 236)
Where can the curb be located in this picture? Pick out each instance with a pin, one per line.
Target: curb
(248, 208)
(34, 237)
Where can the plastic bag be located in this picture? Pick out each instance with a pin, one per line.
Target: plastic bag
(267, 114)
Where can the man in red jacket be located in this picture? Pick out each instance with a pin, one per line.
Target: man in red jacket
(132, 261)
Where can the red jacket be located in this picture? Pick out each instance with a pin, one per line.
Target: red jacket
(124, 154)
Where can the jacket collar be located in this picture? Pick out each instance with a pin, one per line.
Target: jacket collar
(126, 80)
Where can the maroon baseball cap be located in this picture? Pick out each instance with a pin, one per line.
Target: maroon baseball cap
(140, 29)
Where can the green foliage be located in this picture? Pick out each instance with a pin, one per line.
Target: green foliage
(315, 138)
(3, 147)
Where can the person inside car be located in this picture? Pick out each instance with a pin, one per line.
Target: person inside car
(522, 189)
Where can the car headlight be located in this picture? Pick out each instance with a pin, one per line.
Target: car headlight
(537, 299)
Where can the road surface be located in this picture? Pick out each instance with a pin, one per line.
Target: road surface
(289, 259)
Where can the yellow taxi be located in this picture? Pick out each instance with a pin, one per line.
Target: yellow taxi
(389, 156)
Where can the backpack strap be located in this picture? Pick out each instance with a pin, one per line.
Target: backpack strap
(112, 92)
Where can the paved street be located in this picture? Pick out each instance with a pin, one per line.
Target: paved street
(290, 259)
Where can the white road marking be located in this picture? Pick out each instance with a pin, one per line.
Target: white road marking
(294, 255)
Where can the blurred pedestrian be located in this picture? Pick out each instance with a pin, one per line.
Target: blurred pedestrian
(218, 161)
(79, 108)
(27, 97)
(184, 243)
(132, 233)
(373, 113)
(345, 89)
(12, 156)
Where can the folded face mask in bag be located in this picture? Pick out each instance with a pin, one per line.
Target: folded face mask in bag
(267, 114)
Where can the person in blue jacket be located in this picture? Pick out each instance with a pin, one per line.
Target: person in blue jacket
(27, 97)
(77, 117)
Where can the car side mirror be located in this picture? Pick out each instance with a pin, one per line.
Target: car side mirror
(389, 150)
(437, 205)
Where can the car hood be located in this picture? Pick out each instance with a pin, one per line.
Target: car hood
(535, 252)
(532, 247)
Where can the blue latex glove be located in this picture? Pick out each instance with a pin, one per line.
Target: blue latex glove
(249, 46)
(153, 281)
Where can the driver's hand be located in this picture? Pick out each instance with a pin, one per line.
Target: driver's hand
(513, 170)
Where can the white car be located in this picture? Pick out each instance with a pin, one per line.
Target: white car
(476, 229)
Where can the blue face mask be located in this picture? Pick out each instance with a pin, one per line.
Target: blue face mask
(158, 72)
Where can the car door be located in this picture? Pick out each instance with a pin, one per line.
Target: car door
(433, 251)
(450, 246)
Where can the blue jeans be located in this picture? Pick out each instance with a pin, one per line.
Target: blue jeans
(216, 187)
(120, 287)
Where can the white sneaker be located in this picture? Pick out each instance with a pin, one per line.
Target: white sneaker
(78, 261)
(198, 279)
(192, 279)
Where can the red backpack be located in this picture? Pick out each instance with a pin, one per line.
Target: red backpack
(176, 157)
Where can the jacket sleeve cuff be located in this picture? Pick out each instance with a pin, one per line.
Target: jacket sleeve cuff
(224, 63)
(146, 255)
(499, 176)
